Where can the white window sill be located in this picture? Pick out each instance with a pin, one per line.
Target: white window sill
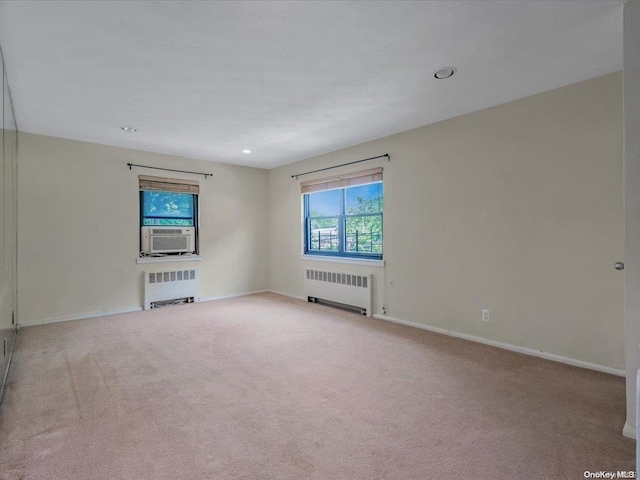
(351, 261)
(170, 259)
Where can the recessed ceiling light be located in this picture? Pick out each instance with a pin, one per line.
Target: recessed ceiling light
(128, 129)
(445, 72)
(246, 150)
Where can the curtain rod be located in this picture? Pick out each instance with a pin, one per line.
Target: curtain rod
(169, 170)
(343, 165)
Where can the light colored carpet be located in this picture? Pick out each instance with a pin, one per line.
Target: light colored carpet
(264, 387)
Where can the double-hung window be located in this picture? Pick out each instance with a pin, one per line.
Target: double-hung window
(343, 216)
(167, 203)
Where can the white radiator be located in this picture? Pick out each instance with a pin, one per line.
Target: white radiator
(170, 285)
(338, 287)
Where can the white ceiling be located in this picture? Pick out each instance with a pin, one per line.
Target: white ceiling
(289, 80)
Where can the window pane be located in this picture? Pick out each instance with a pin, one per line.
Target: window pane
(364, 199)
(324, 204)
(167, 204)
(364, 234)
(323, 234)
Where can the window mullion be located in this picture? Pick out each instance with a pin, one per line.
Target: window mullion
(307, 221)
(342, 224)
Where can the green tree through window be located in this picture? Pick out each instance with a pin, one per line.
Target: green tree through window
(167, 208)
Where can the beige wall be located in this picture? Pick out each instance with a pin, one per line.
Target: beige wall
(517, 209)
(632, 207)
(79, 228)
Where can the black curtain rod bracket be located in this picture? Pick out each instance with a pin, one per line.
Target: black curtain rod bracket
(130, 165)
(342, 165)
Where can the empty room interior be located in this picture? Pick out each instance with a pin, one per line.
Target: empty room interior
(319, 240)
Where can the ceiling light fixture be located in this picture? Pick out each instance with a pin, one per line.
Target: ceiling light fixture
(246, 150)
(445, 72)
(128, 129)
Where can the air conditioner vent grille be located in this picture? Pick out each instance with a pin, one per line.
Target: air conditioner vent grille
(167, 240)
(166, 231)
(170, 243)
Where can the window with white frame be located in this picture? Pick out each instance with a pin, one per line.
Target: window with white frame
(343, 215)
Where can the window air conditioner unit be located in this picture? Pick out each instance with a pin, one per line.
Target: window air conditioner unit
(168, 239)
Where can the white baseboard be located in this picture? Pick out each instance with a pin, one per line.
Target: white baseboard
(508, 346)
(126, 310)
(629, 431)
(288, 295)
(494, 343)
(79, 317)
(232, 295)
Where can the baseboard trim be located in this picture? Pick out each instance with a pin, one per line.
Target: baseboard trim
(232, 295)
(79, 317)
(464, 336)
(508, 346)
(288, 295)
(629, 431)
(126, 310)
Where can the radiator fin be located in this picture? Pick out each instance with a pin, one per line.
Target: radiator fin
(341, 278)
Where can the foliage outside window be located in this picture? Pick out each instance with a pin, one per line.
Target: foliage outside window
(167, 208)
(345, 222)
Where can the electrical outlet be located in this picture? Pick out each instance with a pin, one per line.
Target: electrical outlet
(485, 315)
